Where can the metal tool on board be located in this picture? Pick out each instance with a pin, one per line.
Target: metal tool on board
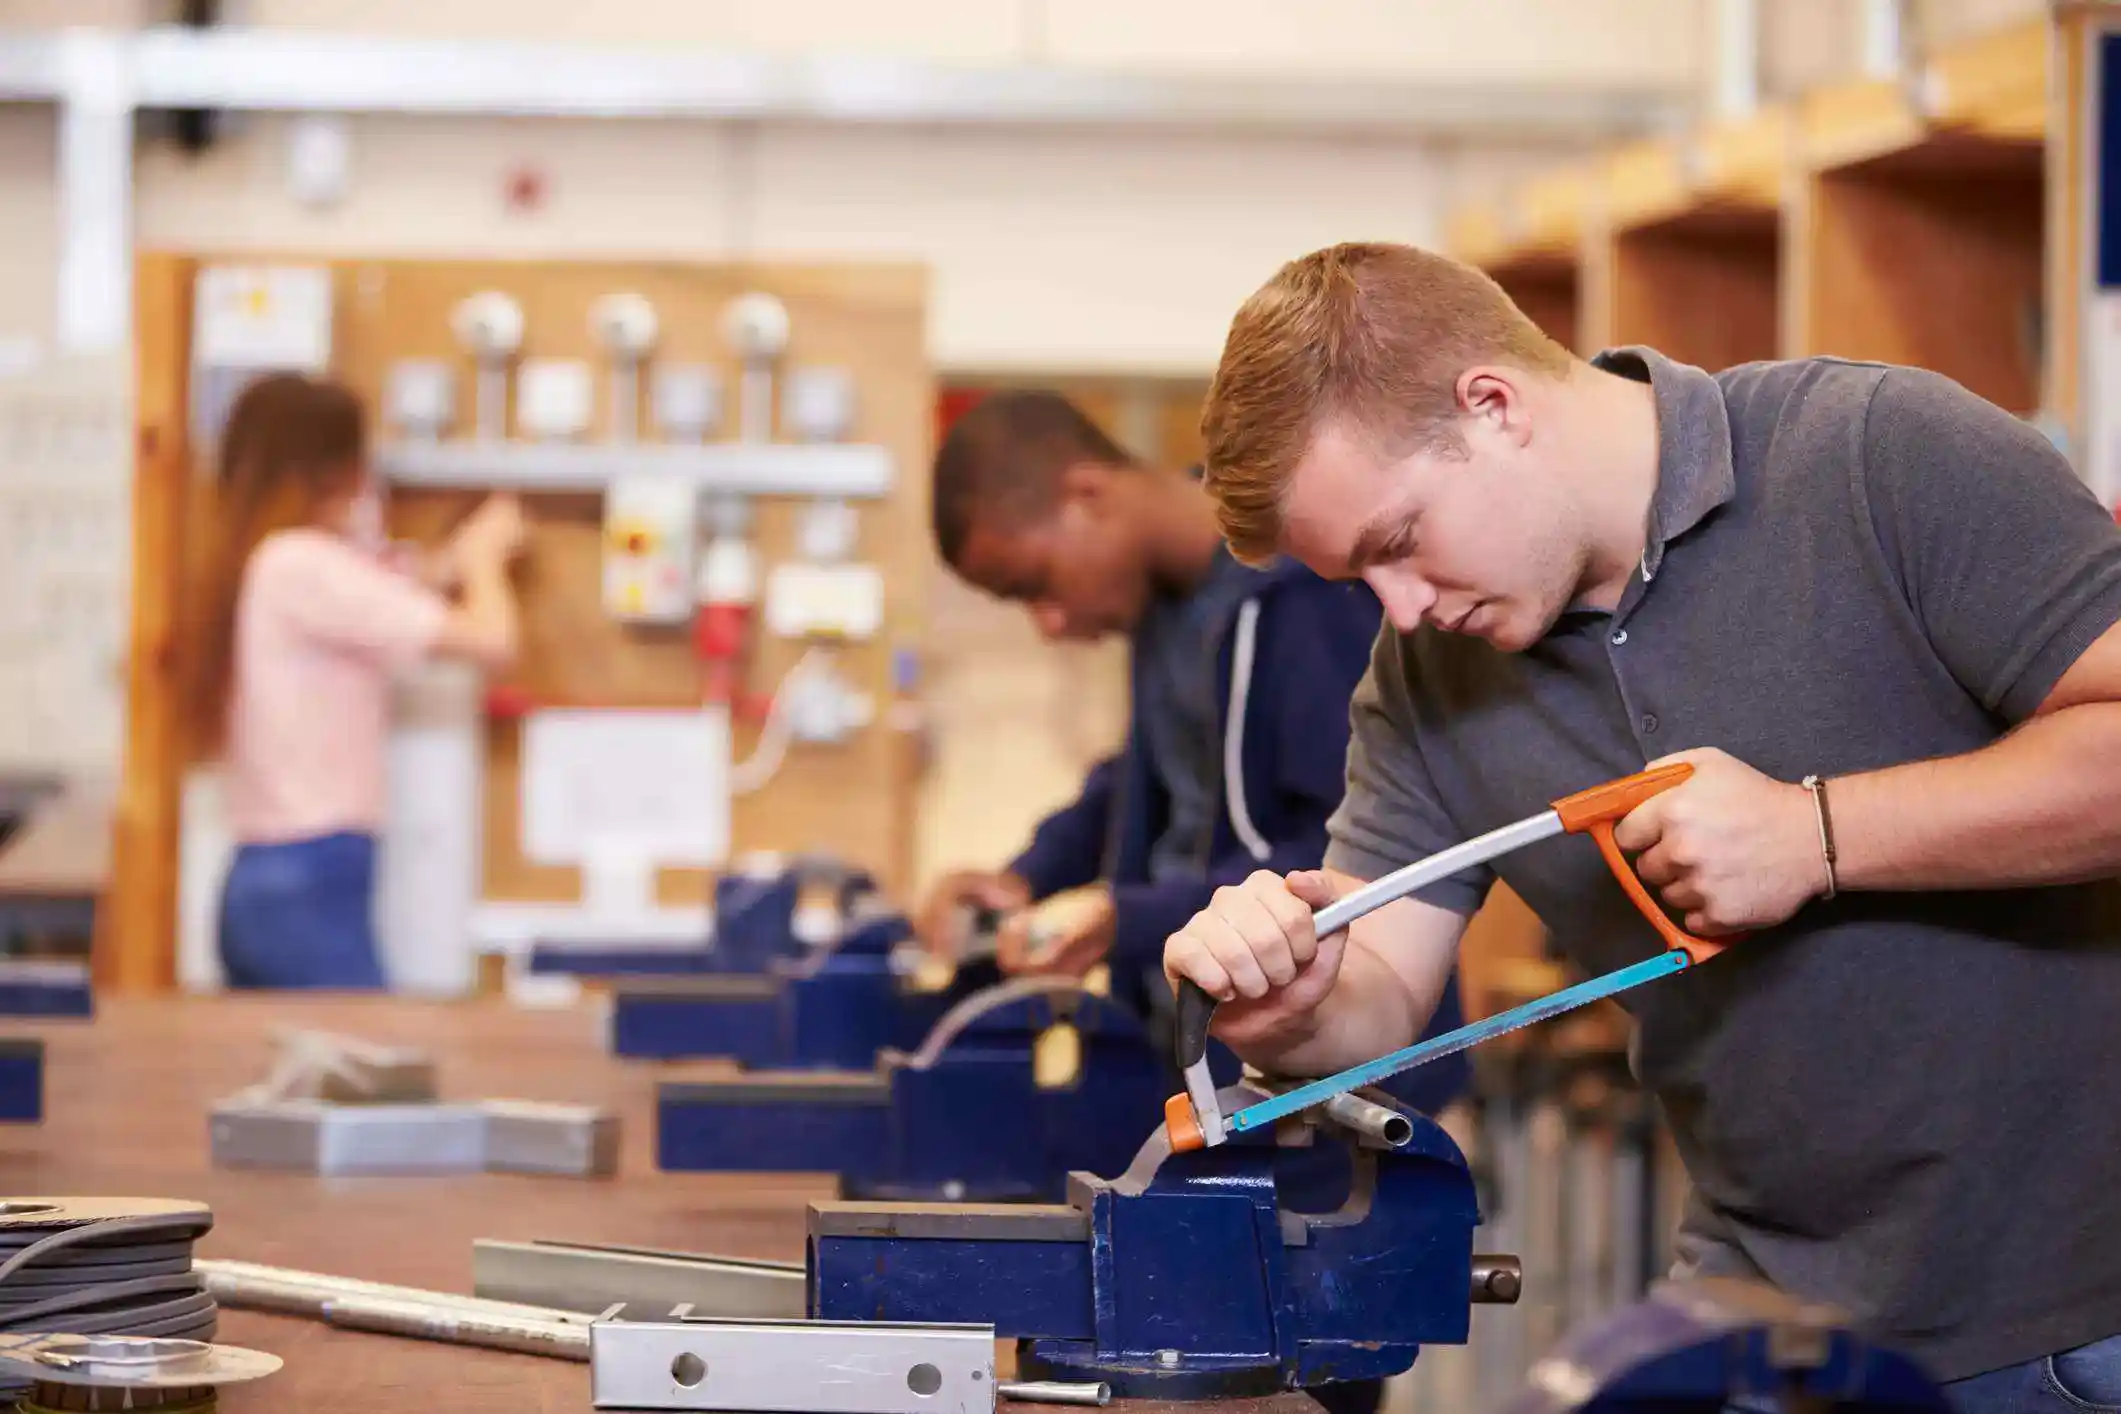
(1195, 1119)
(646, 1352)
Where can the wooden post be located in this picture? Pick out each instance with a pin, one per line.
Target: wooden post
(137, 951)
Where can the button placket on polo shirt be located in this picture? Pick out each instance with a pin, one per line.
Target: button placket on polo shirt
(1642, 722)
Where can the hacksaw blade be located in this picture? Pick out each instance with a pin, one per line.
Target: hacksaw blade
(1317, 1092)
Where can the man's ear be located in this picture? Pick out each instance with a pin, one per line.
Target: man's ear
(1092, 485)
(1494, 395)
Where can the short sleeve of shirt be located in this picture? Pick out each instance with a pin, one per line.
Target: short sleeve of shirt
(1390, 815)
(2006, 557)
(333, 592)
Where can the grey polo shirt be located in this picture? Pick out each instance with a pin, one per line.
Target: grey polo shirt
(1907, 1104)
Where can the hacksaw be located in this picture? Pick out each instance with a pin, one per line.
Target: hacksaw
(1195, 1119)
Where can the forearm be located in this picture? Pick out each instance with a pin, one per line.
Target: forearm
(487, 611)
(2033, 808)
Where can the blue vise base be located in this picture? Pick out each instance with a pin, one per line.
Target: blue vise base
(835, 1010)
(1708, 1343)
(45, 987)
(21, 1080)
(1188, 1277)
(754, 926)
(963, 1117)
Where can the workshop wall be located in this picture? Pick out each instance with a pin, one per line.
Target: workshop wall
(1047, 251)
(28, 222)
(1574, 42)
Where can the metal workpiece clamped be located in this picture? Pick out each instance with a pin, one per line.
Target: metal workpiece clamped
(1197, 1275)
(1196, 1119)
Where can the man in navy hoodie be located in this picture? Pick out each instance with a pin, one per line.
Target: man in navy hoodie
(1235, 753)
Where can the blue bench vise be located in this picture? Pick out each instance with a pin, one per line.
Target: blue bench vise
(1716, 1342)
(45, 987)
(21, 1080)
(836, 1009)
(963, 1116)
(1229, 1272)
(754, 927)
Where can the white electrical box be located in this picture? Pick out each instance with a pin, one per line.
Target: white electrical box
(825, 601)
(685, 401)
(650, 530)
(828, 531)
(420, 397)
(554, 398)
(823, 707)
(319, 158)
(817, 403)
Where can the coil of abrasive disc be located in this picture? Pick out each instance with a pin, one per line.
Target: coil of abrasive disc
(102, 1266)
(69, 1373)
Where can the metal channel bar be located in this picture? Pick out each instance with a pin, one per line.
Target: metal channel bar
(793, 1367)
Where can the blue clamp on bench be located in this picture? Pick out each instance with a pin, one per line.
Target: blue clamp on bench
(1200, 1275)
(834, 1010)
(754, 928)
(21, 1080)
(1718, 1342)
(45, 987)
(962, 1116)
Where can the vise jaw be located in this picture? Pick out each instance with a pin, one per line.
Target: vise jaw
(1202, 1275)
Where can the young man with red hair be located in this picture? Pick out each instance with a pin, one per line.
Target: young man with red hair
(1877, 613)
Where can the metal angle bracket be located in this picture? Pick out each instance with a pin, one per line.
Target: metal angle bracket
(589, 1278)
(793, 1367)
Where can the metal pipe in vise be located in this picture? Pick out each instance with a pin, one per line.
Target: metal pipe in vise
(1386, 1125)
(1055, 1392)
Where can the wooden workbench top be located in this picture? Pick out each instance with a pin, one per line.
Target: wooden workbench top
(126, 1100)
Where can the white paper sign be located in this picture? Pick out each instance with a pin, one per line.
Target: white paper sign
(655, 783)
(269, 316)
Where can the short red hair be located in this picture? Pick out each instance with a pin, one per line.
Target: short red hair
(1374, 333)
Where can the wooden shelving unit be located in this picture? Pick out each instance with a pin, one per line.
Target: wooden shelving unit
(1919, 219)
(1689, 259)
(1908, 221)
(1532, 246)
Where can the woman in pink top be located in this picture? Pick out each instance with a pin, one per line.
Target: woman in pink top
(306, 623)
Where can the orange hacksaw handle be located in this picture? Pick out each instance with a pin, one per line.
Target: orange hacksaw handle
(1598, 810)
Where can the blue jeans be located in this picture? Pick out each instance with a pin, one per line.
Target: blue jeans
(298, 915)
(2086, 1380)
